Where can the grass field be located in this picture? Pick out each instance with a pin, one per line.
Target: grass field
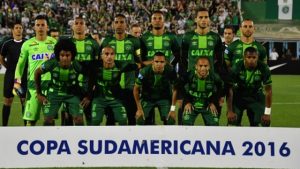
(285, 107)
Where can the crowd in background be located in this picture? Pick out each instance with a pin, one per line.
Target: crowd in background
(179, 14)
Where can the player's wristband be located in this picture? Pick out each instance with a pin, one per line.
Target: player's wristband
(267, 111)
(173, 108)
(17, 81)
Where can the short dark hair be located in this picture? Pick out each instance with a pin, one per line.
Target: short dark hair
(17, 22)
(43, 17)
(53, 30)
(135, 25)
(66, 45)
(158, 12)
(251, 50)
(202, 9)
(159, 54)
(229, 27)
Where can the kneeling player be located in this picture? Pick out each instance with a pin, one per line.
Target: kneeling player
(252, 90)
(202, 87)
(63, 87)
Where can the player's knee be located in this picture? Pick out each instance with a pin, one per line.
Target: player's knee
(48, 121)
(140, 121)
(8, 101)
(78, 120)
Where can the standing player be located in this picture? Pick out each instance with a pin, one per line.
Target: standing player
(136, 30)
(107, 92)
(63, 87)
(202, 42)
(159, 40)
(201, 90)
(87, 51)
(9, 54)
(127, 49)
(228, 36)
(155, 82)
(252, 90)
(54, 33)
(35, 51)
(235, 50)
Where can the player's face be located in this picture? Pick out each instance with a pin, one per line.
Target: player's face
(228, 36)
(120, 25)
(247, 28)
(157, 21)
(250, 60)
(136, 31)
(158, 64)
(17, 30)
(65, 59)
(202, 67)
(202, 19)
(54, 35)
(79, 26)
(108, 55)
(41, 27)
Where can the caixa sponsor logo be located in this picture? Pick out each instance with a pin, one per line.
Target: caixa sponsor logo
(42, 56)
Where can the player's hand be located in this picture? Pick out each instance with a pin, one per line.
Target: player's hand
(231, 117)
(140, 113)
(172, 114)
(85, 102)
(221, 101)
(213, 109)
(266, 120)
(188, 108)
(42, 99)
(17, 90)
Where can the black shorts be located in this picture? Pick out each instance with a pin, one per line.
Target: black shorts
(9, 85)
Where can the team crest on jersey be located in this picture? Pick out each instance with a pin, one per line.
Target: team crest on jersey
(36, 49)
(238, 52)
(166, 43)
(88, 48)
(50, 47)
(127, 47)
(140, 76)
(210, 43)
(149, 44)
(194, 43)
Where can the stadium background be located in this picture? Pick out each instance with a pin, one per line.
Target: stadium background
(271, 31)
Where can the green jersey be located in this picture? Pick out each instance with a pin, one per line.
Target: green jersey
(166, 43)
(35, 53)
(63, 81)
(156, 86)
(201, 92)
(235, 51)
(107, 80)
(250, 82)
(88, 50)
(195, 45)
(127, 50)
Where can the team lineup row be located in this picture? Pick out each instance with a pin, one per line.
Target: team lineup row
(95, 84)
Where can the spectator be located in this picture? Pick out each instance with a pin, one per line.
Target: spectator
(273, 55)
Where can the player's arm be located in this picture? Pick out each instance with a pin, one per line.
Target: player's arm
(228, 54)
(266, 118)
(136, 95)
(172, 112)
(184, 53)
(137, 51)
(21, 63)
(3, 55)
(144, 52)
(37, 78)
(175, 50)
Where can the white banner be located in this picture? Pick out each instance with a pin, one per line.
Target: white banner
(285, 9)
(149, 146)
